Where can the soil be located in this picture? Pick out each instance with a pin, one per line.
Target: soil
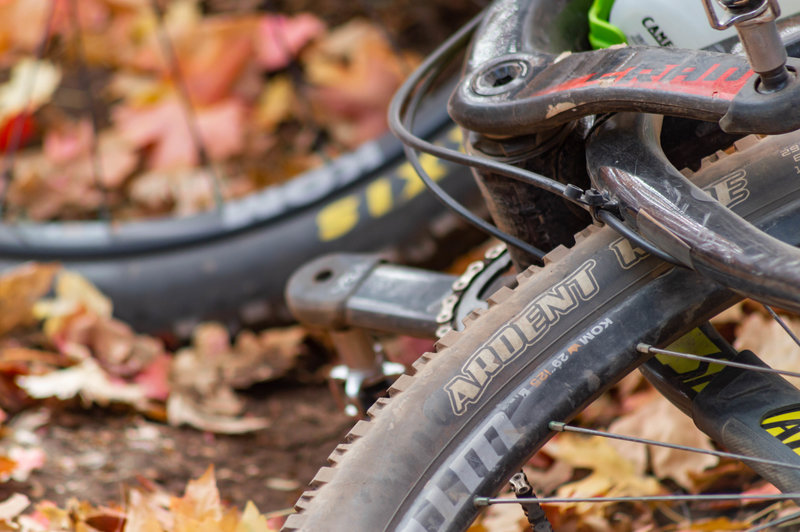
(93, 454)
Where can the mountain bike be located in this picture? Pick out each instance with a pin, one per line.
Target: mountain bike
(684, 208)
(151, 267)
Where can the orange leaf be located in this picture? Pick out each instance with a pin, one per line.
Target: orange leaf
(19, 290)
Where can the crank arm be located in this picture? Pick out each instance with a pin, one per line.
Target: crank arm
(525, 92)
(348, 290)
(655, 200)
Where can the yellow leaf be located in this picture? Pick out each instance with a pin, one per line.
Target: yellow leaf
(612, 474)
(32, 84)
(275, 103)
(73, 292)
(19, 289)
(201, 501)
(252, 520)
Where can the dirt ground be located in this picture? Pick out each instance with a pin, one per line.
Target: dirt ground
(92, 454)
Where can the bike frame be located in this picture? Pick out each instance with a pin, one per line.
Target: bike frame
(518, 81)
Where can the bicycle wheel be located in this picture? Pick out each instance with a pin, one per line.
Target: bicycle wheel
(231, 263)
(477, 409)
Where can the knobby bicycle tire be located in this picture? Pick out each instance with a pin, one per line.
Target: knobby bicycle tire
(231, 264)
(479, 407)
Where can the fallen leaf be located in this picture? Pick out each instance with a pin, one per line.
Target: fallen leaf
(86, 379)
(673, 426)
(31, 85)
(252, 520)
(766, 338)
(16, 131)
(182, 411)
(613, 475)
(276, 103)
(280, 38)
(261, 357)
(20, 288)
(714, 525)
(140, 515)
(505, 518)
(164, 128)
(26, 459)
(13, 506)
(353, 74)
(201, 499)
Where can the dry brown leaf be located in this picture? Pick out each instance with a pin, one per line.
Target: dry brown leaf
(265, 356)
(353, 74)
(765, 337)
(181, 410)
(612, 474)
(20, 288)
(659, 420)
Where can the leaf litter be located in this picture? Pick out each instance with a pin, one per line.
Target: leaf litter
(248, 114)
(277, 80)
(69, 347)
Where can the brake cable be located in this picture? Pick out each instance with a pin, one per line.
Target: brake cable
(402, 112)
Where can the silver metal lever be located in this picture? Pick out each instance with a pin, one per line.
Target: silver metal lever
(754, 21)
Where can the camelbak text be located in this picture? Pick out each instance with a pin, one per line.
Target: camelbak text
(522, 331)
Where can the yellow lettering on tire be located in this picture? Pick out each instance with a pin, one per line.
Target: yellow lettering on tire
(414, 185)
(379, 197)
(338, 218)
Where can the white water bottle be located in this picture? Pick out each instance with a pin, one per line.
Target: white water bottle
(676, 23)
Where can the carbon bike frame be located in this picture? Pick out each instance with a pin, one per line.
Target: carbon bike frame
(516, 82)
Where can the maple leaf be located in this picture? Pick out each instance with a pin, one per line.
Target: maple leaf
(164, 128)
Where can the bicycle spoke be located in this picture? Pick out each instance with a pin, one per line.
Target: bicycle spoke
(557, 426)
(776, 522)
(91, 103)
(489, 501)
(644, 348)
(783, 324)
(186, 102)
